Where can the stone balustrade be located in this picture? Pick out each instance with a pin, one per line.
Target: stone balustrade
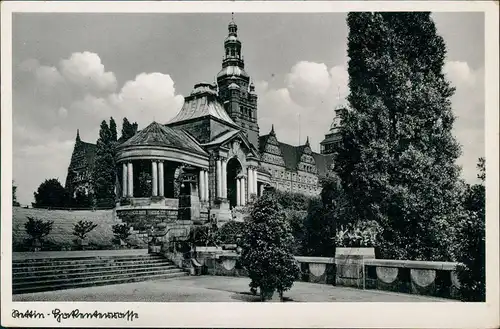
(416, 277)
(354, 267)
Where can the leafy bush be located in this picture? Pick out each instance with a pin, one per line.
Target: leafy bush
(360, 234)
(230, 232)
(319, 234)
(121, 232)
(82, 228)
(204, 235)
(293, 201)
(296, 220)
(37, 229)
(267, 248)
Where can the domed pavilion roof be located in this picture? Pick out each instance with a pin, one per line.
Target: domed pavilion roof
(158, 135)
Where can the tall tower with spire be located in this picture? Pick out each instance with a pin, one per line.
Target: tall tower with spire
(236, 90)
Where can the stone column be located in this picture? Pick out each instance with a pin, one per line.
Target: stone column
(243, 191)
(161, 179)
(207, 187)
(219, 178)
(130, 179)
(154, 175)
(224, 178)
(255, 188)
(124, 180)
(202, 185)
(250, 181)
(238, 192)
(261, 189)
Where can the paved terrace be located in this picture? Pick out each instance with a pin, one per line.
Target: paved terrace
(215, 289)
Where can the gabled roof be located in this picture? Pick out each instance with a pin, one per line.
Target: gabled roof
(201, 103)
(227, 136)
(291, 155)
(222, 138)
(158, 135)
(262, 142)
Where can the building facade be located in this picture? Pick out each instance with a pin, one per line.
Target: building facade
(210, 158)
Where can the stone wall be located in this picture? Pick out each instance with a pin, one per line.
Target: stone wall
(416, 277)
(64, 220)
(351, 267)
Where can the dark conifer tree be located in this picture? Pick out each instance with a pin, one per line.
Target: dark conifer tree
(397, 158)
(104, 170)
(112, 130)
(128, 129)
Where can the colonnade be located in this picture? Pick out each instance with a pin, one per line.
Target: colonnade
(157, 175)
(158, 181)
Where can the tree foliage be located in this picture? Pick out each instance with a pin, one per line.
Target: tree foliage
(14, 196)
(471, 242)
(128, 130)
(267, 248)
(50, 194)
(104, 174)
(397, 157)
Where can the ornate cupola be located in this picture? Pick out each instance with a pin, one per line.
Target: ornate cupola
(236, 92)
(232, 62)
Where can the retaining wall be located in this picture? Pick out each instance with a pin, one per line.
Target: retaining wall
(62, 229)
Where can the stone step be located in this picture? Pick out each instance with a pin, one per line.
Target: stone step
(79, 277)
(38, 275)
(98, 282)
(84, 264)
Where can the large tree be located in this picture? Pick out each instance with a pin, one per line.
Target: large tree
(128, 129)
(104, 175)
(15, 203)
(471, 241)
(267, 245)
(50, 194)
(397, 156)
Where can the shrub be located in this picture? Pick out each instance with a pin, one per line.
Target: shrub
(82, 228)
(230, 232)
(293, 201)
(204, 235)
(37, 229)
(267, 248)
(296, 220)
(121, 233)
(319, 230)
(471, 254)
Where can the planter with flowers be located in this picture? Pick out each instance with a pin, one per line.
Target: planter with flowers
(355, 243)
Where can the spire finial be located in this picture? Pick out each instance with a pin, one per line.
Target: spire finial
(232, 17)
(307, 140)
(272, 129)
(78, 135)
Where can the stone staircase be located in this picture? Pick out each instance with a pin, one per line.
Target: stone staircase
(44, 274)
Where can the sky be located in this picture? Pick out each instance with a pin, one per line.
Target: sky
(71, 71)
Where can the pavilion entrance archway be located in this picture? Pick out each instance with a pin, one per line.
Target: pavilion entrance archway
(233, 170)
